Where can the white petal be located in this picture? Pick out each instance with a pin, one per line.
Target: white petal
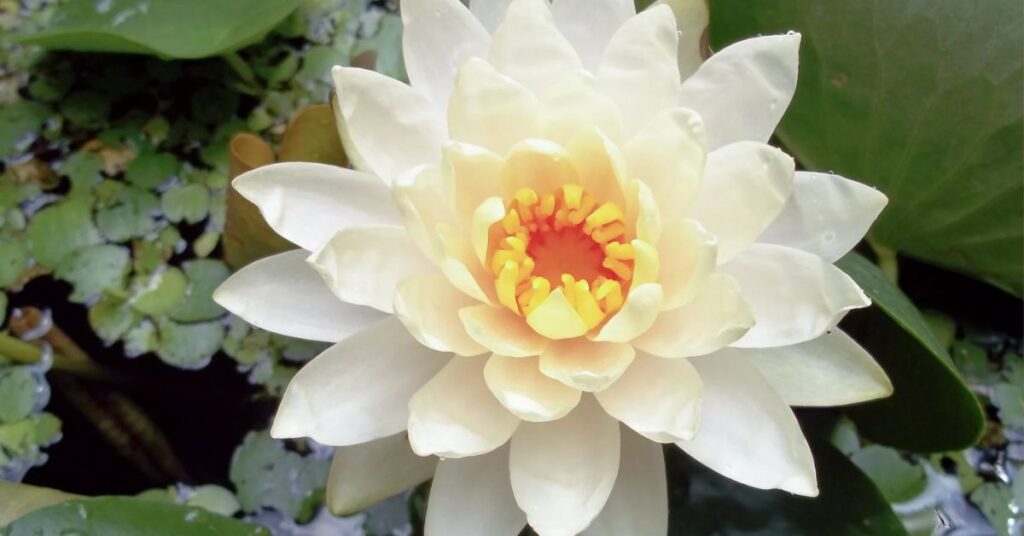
(659, 398)
(638, 314)
(590, 24)
(795, 295)
(687, 253)
(364, 474)
(745, 187)
(642, 208)
(826, 215)
(363, 265)
(470, 175)
(501, 331)
(576, 102)
(692, 20)
(747, 432)
(455, 415)
(832, 370)
(668, 155)
(357, 390)
(518, 383)
(460, 265)
(307, 203)
(420, 197)
(473, 497)
(433, 52)
(639, 68)
(638, 505)
(599, 164)
(743, 90)
(429, 307)
(285, 295)
(586, 365)
(489, 212)
(716, 317)
(563, 471)
(528, 47)
(387, 127)
(491, 110)
(489, 12)
(538, 164)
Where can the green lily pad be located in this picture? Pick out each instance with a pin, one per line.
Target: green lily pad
(19, 126)
(17, 393)
(111, 317)
(267, 475)
(93, 269)
(215, 499)
(60, 229)
(204, 275)
(920, 98)
(188, 346)
(185, 29)
(996, 501)
(128, 516)
(140, 339)
(160, 292)
(86, 109)
(13, 261)
(150, 170)
(896, 478)
(25, 436)
(82, 170)
(133, 217)
(190, 202)
(931, 409)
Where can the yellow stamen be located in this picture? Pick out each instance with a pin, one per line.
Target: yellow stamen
(564, 239)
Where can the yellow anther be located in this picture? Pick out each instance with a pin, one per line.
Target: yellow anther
(605, 289)
(612, 297)
(605, 214)
(568, 287)
(506, 285)
(526, 197)
(547, 206)
(609, 232)
(526, 269)
(586, 305)
(511, 223)
(577, 216)
(622, 252)
(540, 291)
(573, 194)
(503, 256)
(516, 243)
(621, 270)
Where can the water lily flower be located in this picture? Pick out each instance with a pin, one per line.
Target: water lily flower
(567, 243)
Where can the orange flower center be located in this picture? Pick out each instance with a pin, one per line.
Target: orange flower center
(561, 239)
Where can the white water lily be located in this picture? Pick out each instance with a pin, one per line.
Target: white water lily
(567, 243)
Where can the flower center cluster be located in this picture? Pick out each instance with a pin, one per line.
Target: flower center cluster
(561, 239)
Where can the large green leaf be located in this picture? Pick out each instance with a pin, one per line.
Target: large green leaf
(931, 409)
(127, 516)
(184, 29)
(848, 503)
(921, 98)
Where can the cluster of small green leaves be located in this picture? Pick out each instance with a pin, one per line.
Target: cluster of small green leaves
(987, 474)
(113, 181)
(24, 428)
